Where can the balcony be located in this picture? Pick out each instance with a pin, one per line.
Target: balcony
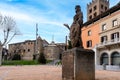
(109, 43)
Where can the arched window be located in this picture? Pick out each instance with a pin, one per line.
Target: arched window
(104, 59)
(115, 58)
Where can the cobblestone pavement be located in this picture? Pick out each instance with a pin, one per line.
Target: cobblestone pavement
(107, 75)
(45, 72)
(39, 72)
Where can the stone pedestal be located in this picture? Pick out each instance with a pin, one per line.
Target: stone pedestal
(78, 64)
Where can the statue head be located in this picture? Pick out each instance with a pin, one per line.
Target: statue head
(77, 8)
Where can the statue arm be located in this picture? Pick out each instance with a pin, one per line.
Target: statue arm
(66, 25)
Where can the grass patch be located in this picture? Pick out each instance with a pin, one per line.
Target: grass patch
(48, 61)
(20, 62)
(23, 62)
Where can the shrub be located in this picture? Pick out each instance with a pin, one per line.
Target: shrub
(16, 57)
(42, 59)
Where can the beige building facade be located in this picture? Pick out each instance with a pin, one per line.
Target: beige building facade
(102, 34)
(24, 49)
(108, 50)
(54, 51)
(27, 49)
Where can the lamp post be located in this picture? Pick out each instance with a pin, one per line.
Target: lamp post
(0, 53)
(36, 46)
(66, 39)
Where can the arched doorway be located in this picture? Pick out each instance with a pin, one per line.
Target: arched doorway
(104, 59)
(115, 58)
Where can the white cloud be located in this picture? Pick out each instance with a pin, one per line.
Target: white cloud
(52, 18)
(17, 15)
(30, 17)
(53, 15)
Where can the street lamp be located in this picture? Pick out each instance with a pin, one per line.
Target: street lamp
(66, 39)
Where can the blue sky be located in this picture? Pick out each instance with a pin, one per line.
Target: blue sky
(49, 14)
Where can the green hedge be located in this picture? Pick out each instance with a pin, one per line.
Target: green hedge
(20, 62)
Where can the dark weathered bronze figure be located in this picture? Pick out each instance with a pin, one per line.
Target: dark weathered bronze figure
(77, 63)
(75, 29)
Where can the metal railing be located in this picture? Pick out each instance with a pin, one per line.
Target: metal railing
(111, 42)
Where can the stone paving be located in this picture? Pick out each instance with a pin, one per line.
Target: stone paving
(46, 72)
(30, 72)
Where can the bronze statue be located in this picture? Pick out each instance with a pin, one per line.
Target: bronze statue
(75, 29)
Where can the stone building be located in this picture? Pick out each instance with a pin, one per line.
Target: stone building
(27, 48)
(28, 51)
(54, 51)
(96, 7)
(102, 34)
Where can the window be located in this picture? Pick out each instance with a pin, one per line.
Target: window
(104, 59)
(24, 50)
(95, 14)
(103, 27)
(114, 22)
(90, 17)
(115, 36)
(28, 43)
(105, 8)
(89, 32)
(28, 50)
(115, 58)
(23, 42)
(103, 39)
(95, 7)
(101, 6)
(101, 12)
(14, 51)
(90, 11)
(89, 43)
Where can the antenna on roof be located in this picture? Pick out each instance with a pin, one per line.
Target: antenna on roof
(53, 39)
(36, 47)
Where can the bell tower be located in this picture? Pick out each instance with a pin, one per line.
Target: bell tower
(96, 7)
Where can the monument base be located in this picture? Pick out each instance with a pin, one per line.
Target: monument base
(78, 64)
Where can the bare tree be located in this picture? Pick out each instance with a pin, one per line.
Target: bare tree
(8, 26)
